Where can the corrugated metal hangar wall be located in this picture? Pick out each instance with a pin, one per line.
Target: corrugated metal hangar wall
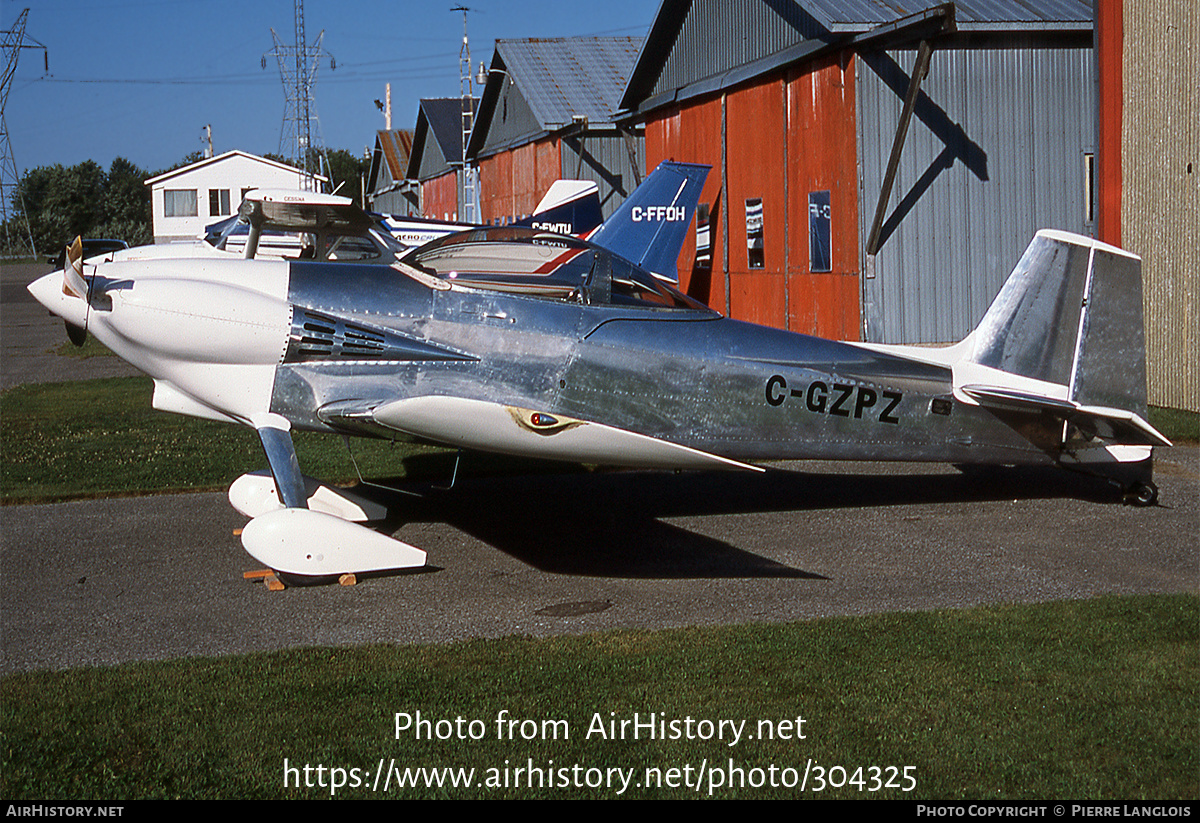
(547, 113)
(999, 147)
(771, 144)
(799, 135)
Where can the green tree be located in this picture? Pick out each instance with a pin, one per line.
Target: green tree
(186, 160)
(343, 168)
(346, 170)
(60, 202)
(125, 204)
(82, 200)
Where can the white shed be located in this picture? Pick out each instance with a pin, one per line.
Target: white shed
(187, 199)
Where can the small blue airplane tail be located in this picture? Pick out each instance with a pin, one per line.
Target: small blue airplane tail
(569, 207)
(650, 226)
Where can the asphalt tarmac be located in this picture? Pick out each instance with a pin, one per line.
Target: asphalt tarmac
(102, 582)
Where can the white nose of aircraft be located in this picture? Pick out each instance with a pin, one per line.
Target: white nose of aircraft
(50, 292)
(210, 332)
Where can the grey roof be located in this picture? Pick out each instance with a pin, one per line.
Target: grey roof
(441, 118)
(696, 47)
(861, 15)
(445, 120)
(563, 78)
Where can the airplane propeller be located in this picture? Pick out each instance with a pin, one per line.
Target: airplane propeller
(75, 334)
(74, 285)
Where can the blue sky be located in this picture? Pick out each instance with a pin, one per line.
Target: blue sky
(140, 78)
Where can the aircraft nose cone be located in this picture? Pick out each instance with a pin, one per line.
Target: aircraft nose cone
(43, 289)
(48, 290)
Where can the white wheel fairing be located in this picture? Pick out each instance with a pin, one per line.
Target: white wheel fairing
(313, 544)
(254, 494)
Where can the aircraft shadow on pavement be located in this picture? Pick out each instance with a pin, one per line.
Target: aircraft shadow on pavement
(611, 524)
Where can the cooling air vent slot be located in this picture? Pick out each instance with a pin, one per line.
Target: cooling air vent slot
(317, 336)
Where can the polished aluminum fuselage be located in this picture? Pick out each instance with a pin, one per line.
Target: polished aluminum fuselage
(686, 376)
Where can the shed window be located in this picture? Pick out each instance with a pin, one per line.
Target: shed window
(820, 249)
(703, 236)
(1089, 188)
(754, 233)
(179, 203)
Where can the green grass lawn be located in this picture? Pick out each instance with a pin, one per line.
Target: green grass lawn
(1094, 699)
(101, 438)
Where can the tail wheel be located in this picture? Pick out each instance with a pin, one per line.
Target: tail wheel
(1142, 494)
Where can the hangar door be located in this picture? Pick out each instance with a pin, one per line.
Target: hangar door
(998, 147)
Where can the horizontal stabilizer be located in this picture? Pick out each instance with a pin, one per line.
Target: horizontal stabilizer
(1064, 337)
(1070, 314)
(1117, 425)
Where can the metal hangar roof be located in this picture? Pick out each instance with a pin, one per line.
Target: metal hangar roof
(560, 81)
(696, 47)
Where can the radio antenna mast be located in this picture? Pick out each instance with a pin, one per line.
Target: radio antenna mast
(468, 175)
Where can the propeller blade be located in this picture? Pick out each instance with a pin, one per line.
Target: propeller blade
(76, 334)
(73, 283)
(75, 286)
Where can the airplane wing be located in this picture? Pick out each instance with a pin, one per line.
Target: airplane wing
(494, 427)
(304, 211)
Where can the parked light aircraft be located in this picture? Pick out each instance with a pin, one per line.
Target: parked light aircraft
(532, 343)
(568, 207)
(287, 224)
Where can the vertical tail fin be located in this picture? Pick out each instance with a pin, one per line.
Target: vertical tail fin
(569, 207)
(650, 226)
(1065, 335)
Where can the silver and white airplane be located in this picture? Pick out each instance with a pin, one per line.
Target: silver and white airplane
(527, 342)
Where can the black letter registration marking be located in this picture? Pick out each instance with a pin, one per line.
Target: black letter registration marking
(815, 401)
(844, 393)
(866, 399)
(775, 382)
(817, 395)
(885, 416)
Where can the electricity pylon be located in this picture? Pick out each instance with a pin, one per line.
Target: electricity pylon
(14, 40)
(300, 138)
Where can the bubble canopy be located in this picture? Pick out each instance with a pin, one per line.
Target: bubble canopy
(543, 264)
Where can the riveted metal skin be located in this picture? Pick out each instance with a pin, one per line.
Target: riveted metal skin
(682, 374)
